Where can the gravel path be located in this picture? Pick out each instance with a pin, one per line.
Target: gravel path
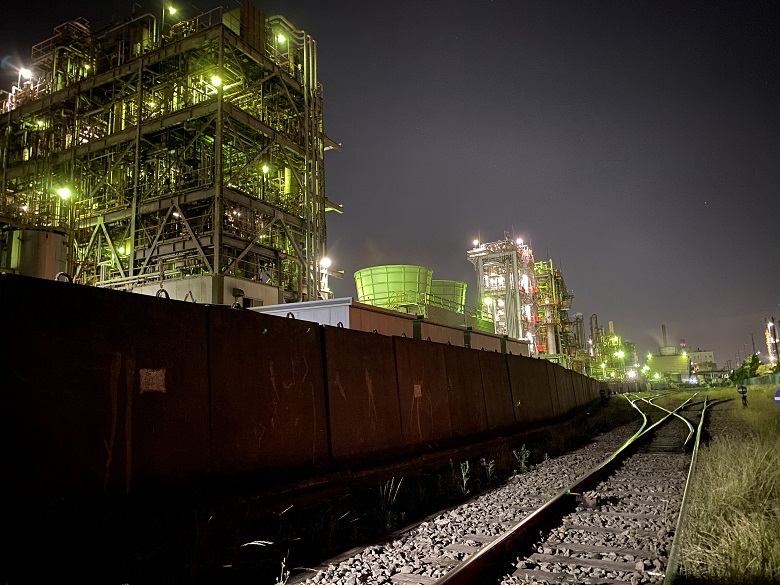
(426, 551)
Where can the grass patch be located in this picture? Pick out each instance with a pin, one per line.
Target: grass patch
(733, 522)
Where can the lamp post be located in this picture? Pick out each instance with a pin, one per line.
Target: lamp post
(65, 196)
(23, 72)
(170, 10)
(324, 265)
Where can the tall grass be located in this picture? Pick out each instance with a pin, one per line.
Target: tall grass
(732, 531)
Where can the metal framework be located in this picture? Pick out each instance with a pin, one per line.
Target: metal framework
(189, 149)
(506, 286)
(556, 331)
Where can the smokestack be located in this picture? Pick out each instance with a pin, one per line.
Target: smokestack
(663, 329)
(611, 327)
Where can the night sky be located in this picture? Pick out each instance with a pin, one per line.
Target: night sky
(637, 144)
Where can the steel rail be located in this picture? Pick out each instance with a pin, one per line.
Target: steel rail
(673, 564)
(691, 430)
(527, 530)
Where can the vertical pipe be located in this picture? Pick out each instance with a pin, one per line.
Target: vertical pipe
(516, 327)
(136, 171)
(218, 288)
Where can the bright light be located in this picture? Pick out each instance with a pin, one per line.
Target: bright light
(25, 73)
(684, 354)
(620, 354)
(171, 10)
(656, 376)
(216, 81)
(649, 356)
(615, 339)
(645, 368)
(64, 193)
(176, 214)
(500, 302)
(265, 169)
(40, 123)
(488, 300)
(612, 374)
(476, 243)
(281, 38)
(631, 374)
(121, 250)
(519, 241)
(590, 341)
(603, 365)
(325, 262)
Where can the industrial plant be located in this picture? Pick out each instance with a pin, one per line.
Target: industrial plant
(182, 158)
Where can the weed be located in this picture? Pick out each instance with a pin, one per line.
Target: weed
(464, 477)
(489, 469)
(521, 457)
(284, 573)
(730, 534)
(388, 492)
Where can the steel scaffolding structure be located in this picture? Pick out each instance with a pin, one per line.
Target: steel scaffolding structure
(507, 286)
(556, 331)
(190, 152)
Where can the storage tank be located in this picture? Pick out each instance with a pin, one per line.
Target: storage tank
(450, 294)
(400, 287)
(37, 252)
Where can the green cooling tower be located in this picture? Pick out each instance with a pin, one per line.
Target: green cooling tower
(395, 286)
(450, 294)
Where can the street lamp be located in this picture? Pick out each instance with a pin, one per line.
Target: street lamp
(65, 195)
(171, 11)
(325, 263)
(23, 72)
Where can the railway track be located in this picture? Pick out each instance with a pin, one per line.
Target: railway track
(614, 524)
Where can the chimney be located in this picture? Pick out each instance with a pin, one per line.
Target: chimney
(663, 329)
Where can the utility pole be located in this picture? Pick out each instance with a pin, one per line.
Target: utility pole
(774, 336)
(753, 339)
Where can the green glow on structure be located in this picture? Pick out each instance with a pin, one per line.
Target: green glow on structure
(620, 354)
(449, 294)
(216, 81)
(394, 286)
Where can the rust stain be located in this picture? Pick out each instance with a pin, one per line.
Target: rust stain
(130, 386)
(372, 416)
(113, 388)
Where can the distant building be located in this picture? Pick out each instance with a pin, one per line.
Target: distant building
(676, 368)
(702, 361)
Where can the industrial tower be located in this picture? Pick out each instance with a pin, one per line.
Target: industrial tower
(506, 286)
(554, 301)
(167, 152)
